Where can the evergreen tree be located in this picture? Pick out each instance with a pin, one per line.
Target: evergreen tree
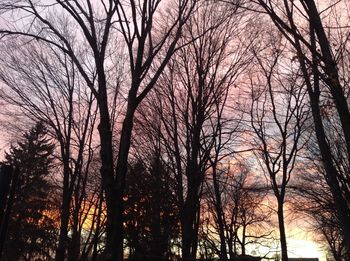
(151, 215)
(31, 230)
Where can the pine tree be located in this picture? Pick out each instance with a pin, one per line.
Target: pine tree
(151, 215)
(31, 231)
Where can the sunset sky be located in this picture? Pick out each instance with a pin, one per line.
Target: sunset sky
(174, 129)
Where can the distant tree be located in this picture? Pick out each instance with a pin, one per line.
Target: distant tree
(234, 202)
(278, 118)
(151, 215)
(31, 232)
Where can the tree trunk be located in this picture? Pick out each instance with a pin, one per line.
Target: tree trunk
(243, 240)
(65, 212)
(331, 71)
(282, 230)
(219, 214)
(107, 173)
(98, 227)
(114, 188)
(331, 172)
(188, 223)
(121, 171)
(230, 246)
(74, 246)
(63, 237)
(187, 231)
(196, 229)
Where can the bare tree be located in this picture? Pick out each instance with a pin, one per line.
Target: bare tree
(43, 84)
(302, 25)
(191, 99)
(239, 200)
(278, 116)
(96, 28)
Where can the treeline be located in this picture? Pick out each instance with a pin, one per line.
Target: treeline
(168, 130)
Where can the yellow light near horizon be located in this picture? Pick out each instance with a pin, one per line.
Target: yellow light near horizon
(305, 248)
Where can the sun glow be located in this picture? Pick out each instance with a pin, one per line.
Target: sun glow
(306, 249)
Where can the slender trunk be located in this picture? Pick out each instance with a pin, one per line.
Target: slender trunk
(331, 172)
(114, 180)
(63, 237)
(219, 214)
(98, 227)
(243, 240)
(187, 230)
(235, 245)
(118, 234)
(65, 212)
(282, 230)
(188, 223)
(331, 78)
(115, 188)
(107, 171)
(189, 217)
(194, 180)
(74, 246)
(111, 228)
(230, 246)
(196, 229)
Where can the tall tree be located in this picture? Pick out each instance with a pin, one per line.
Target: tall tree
(151, 191)
(191, 101)
(31, 232)
(278, 119)
(99, 25)
(44, 85)
(303, 25)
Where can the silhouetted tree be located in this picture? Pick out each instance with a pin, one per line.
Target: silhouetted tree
(235, 209)
(151, 214)
(192, 95)
(320, 50)
(45, 86)
(31, 231)
(100, 25)
(10, 176)
(278, 119)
